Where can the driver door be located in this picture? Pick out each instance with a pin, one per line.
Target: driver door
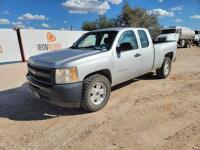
(127, 62)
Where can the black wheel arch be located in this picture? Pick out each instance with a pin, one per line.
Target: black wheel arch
(104, 72)
(170, 55)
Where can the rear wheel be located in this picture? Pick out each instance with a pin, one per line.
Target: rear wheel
(188, 44)
(165, 69)
(96, 92)
(182, 43)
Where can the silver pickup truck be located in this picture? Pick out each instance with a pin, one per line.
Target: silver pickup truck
(83, 74)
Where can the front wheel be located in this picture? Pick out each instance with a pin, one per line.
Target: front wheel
(96, 92)
(165, 69)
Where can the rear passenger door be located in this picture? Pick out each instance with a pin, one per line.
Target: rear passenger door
(147, 51)
(127, 62)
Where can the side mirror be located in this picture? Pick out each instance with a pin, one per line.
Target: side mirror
(124, 47)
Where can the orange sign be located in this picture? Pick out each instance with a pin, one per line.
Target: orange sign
(1, 50)
(49, 46)
(50, 37)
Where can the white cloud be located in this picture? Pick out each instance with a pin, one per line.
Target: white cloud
(161, 12)
(177, 8)
(195, 17)
(89, 6)
(18, 24)
(161, 1)
(44, 25)
(29, 16)
(6, 12)
(116, 2)
(178, 20)
(21, 25)
(4, 21)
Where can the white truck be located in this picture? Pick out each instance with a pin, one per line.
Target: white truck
(183, 36)
(84, 74)
(197, 38)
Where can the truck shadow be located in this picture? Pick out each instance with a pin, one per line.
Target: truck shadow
(149, 76)
(19, 104)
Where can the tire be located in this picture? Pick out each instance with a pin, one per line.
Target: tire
(164, 71)
(182, 43)
(96, 92)
(188, 44)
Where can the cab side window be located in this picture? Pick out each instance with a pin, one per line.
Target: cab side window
(143, 38)
(128, 37)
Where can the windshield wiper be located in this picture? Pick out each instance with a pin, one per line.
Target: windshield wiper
(99, 48)
(89, 47)
(73, 47)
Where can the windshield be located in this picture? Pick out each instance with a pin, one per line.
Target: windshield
(197, 32)
(101, 40)
(168, 31)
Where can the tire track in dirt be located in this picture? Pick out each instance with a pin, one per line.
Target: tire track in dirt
(138, 128)
(174, 115)
(181, 138)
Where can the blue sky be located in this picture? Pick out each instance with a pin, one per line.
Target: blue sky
(59, 14)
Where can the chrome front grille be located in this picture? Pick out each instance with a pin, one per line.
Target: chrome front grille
(40, 74)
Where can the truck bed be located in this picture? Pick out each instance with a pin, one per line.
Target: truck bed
(162, 48)
(159, 42)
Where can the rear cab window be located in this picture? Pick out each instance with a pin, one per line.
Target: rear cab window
(143, 38)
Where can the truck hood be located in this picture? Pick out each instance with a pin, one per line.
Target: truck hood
(169, 37)
(59, 58)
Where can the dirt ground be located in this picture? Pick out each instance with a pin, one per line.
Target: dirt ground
(142, 114)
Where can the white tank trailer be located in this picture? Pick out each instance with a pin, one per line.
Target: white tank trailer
(183, 36)
(196, 40)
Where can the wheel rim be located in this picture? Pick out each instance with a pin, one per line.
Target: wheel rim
(98, 93)
(182, 43)
(166, 68)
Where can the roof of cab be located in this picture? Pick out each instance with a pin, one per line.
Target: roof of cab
(116, 29)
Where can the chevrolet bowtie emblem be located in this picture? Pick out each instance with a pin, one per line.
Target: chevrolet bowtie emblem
(33, 71)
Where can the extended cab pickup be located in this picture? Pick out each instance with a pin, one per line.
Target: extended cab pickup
(84, 74)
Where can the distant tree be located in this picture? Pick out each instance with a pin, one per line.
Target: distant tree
(138, 17)
(129, 17)
(89, 26)
(104, 22)
(100, 23)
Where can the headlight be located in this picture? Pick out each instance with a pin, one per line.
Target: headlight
(67, 75)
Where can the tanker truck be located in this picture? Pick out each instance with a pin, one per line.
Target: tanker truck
(183, 36)
(197, 38)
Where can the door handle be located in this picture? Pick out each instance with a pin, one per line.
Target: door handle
(137, 55)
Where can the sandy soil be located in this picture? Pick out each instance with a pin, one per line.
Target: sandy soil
(142, 114)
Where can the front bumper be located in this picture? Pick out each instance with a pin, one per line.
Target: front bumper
(65, 95)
